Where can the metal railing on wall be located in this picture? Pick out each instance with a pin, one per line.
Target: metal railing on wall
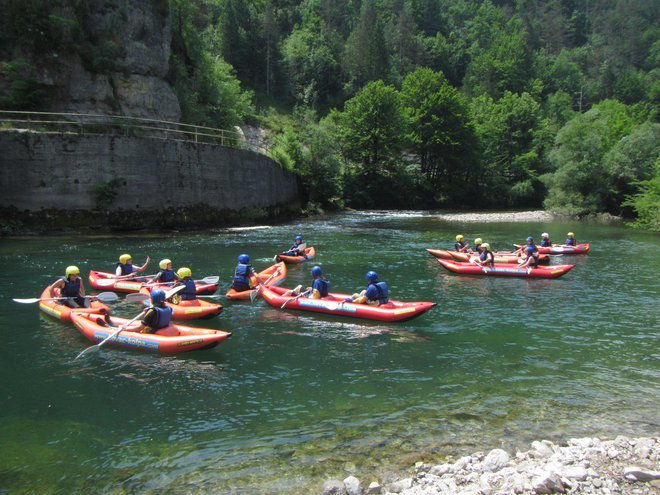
(82, 123)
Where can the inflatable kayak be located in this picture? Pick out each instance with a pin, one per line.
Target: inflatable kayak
(109, 281)
(169, 340)
(561, 249)
(334, 304)
(310, 252)
(63, 312)
(273, 275)
(500, 256)
(187, 310)
(505, 270)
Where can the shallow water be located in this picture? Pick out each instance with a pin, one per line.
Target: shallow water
(295, 398)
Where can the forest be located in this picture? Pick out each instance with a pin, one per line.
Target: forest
(456, 104)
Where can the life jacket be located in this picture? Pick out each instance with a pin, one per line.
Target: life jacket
(570, 242)
(126, 269)
(459, 245)
(166, 276)
(70, 289)
(546, 243)
(382, 291)
(164, 315)
(322, 285)
(487, 255)
(190, 293)
(241, 280)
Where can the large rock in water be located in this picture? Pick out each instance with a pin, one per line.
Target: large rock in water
(134, 36)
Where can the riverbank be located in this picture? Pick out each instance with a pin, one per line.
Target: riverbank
(626, 466)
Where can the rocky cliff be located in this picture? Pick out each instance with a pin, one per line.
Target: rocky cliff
(96, 56)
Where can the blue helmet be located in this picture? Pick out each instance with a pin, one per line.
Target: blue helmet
(530, 239)
(298, 238)
(243, 258)
(371, 276)
(316, 271)
(158, 296)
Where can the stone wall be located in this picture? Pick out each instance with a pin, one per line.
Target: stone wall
(39, 171)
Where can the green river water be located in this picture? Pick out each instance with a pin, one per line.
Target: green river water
(292, 398)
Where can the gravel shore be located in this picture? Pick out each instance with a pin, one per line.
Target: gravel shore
(517, 216)
(625, 466)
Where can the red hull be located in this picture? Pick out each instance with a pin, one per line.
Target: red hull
(334, 305)
(561, 249)
(505, 270)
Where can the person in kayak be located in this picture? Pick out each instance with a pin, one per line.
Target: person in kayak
(320, 285)
(376, 293)
(166, 273)
(478, 243)
(185, 278)
(243, 274)
(486, 257)
(126, 269)
(72, 289)
(532, 257)
(570, 239)
(297, 248)
(521, 251)
(460, 246)
(157, 316)
(545, 240)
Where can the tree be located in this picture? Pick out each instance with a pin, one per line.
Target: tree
(580, 183)
(646, 202)
(441, 134)
(510, 133)
(370, 132)
(365, 58)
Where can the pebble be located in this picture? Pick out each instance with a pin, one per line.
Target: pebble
(624, 466)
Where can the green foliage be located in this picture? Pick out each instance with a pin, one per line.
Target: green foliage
(23, 90)
(581, 183)
(441, 134)
(646, 203)
(106, 193)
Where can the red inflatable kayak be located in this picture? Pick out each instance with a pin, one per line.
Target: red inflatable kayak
(273, 275)
(561, 249)
(310, 252)
(500, 256)
(505, 270)
(63, 312)
(169, 340)
(109, 281)
(188, 310)
(334, 304)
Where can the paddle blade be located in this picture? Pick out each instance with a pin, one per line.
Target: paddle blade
(87, 350)
(107, 296)
(210, 280)
(27, 301)
(254, 294)
(136, 297)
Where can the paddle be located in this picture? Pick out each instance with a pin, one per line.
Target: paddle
(206, 280)
(135, 297)
(96, 347)
(102, 296)
(294, 298)
(255, 292)
(483, 268)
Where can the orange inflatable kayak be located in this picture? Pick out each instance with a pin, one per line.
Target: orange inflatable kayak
(63, 312)
(273, 275)
(310, 253)
(172, 339)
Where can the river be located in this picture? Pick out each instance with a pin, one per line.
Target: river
(292, 398)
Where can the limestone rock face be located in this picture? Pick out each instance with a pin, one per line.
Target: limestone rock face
(119, 64)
